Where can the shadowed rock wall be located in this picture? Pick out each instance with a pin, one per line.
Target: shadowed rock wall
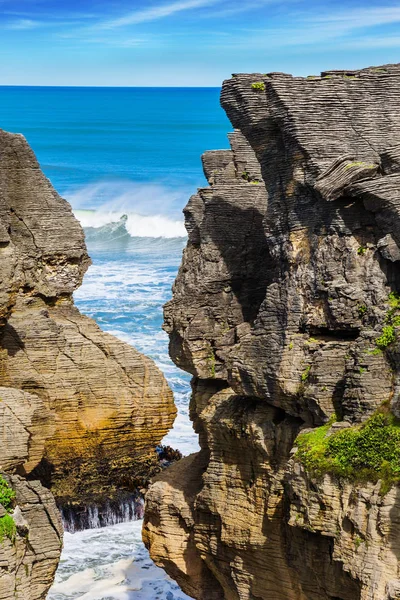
(277, 311)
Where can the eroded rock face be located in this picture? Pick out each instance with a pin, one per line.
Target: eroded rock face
(26, 425)
(79, 410)
(42, 245)
(112, 406)
(282, 294)
(29, 560)
(107, 404)
(30, 524)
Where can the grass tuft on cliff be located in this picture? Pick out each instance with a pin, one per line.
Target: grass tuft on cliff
(392, 320)
(366, 452)
(259, 86)
(7, 524)
(7, 495)
(7, 528)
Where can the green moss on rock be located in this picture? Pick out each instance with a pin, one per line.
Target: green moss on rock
(387, 337)
(366, 452)
(362, 310)
(7, 495)
(7, 528)
(306, 373)
(392, 320)
(360, 163)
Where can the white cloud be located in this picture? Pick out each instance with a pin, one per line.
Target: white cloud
(349, 29)
(342, 23)
(23, 24)
(230, 9)
(155, 13)
(373, 42)
(358, 18)
(51, 16)
(118, 42)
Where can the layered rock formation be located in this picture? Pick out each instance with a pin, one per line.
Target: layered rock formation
(285, 310)
(30, 543)
(30, 549)
(79, 410)
(110, 405)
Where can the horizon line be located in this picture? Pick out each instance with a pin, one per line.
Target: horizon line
(195, 87)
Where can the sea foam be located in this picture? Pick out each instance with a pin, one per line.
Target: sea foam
(152, 226)
(144, 210)
(111, 564)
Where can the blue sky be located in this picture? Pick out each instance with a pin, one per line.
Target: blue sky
(189, 42)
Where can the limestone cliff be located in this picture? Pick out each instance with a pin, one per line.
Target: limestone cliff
(79, 410)
(286, 312)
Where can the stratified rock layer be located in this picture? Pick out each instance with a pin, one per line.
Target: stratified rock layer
(110, 405)
(79, 410)
(29, 560)
(283, 292)
(31, 548)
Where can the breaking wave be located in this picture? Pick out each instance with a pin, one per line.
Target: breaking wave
(117, 223)
(129, 208)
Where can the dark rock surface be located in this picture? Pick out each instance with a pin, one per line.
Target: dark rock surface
(283, 291)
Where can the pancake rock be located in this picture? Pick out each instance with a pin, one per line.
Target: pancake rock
(30, 552)
(95, 407)
(30, 524)
(286, 312)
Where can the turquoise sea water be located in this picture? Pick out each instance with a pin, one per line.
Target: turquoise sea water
(142, 135)
(114, 152)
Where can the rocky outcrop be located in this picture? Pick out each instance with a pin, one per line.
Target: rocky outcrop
(285, 310)
(111, 404)
(80, 411)
(108, 405)
(30, 524)
(29, 555)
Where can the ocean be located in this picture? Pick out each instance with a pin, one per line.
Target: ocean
(127, 159)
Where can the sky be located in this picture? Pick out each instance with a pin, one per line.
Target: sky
(189, 42)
